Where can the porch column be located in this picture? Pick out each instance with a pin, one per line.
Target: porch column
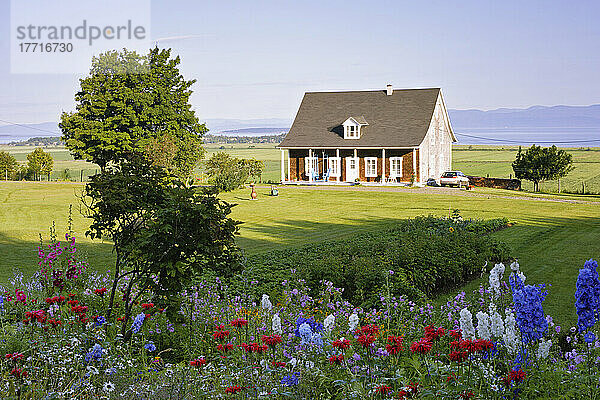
(339, 177)
(310, 170)
(289, 176)
(282, 165)
(415, 163)
(383, 180)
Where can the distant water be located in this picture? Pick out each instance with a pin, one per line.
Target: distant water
(561, 137)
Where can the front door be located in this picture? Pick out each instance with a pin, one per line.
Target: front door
(351, 169)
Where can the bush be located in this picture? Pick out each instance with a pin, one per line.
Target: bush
(418, 258)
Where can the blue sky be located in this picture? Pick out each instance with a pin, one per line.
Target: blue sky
(255, 59)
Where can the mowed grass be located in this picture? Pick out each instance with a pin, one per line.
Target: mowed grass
(551, 238)
(493, 161)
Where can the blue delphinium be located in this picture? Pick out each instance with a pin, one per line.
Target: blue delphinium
(150, 346)
(314, 326)
(587, 296)
(100, 321)
(95, 353)
(291, 379)
(317, 340)
(1, 303)
(137, 322)
(529, 312)
(305, 333)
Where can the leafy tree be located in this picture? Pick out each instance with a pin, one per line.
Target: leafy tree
(134, 120)
(538, 164)
(127, 106)
(225, 172)
(8, 165)
(255, 168)
(39, 162)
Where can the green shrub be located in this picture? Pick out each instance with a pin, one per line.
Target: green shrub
(418, 258)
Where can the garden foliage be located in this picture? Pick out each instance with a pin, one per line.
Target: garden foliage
(428, 255)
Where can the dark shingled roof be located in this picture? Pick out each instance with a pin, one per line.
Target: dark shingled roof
(399, 120)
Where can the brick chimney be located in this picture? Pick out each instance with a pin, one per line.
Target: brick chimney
(389, 90)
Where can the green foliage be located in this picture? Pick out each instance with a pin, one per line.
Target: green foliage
(39, 162)
(127, 106)
(427, 256)
(8, 166)
(225, 172)
(538, 164)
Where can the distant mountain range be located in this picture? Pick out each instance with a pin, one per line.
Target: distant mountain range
(553, 123)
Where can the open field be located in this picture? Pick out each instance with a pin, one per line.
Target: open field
(552, 237)
(494, 161)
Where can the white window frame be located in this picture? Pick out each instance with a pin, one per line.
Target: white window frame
(396, 172)
(334, 164)
(307, 161)
(370, 170)
(352, 132)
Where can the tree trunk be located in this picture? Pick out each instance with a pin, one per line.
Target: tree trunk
(113, 290)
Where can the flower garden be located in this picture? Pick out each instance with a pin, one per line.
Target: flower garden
(57, 342)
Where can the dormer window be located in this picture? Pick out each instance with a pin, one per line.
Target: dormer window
(352, 127)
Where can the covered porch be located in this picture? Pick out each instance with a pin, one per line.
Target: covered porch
(347, 166)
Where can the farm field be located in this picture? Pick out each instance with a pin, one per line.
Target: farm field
(494, 161)
(552, 236)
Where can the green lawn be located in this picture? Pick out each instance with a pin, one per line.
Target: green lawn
(494, 161)
(552, 239)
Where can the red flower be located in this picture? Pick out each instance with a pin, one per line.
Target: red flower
(220, 334)
(458, 356)
(336, 359)
(18, 373)
(72, 302)
(394, 345)
(456, 334)
(254, 347)
(147, 306)
(484, 345)
(233, 389)
(100, 292)
(341, 344)
(411, 390)
(239, 322)
(14, 356)
(366, 340)
(54, 322)
(468, 345)
(467, 395)
(423, 346)
(433, 333)
(369, 330)
(225, 347)
(198, 362)
(383, 390)
(278, 364)
(272, 340)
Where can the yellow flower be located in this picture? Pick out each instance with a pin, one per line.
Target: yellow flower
(451, 229)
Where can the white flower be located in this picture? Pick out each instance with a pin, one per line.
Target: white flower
(522, 276)
(495, 276)
(329, 323)
(353, 321)
(511, 337)
(276, 324)
(466, 324)
(266, 302)
(92, 370)
(483, 325)
(544, 348)
(497, 324)
(514, 266)
(108, 387)
(293, 362)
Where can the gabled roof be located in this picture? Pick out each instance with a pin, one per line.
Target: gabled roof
(399, 120)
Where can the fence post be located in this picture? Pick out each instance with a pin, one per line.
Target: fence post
(81, 176)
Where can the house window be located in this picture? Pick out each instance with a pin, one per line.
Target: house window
(311, 163)
(395, 167)
(370, 167)
(334, 166)
(352, 131)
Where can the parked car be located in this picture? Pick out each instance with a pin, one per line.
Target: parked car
(454, 178)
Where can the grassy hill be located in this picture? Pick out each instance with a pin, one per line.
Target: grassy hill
(552, 237)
